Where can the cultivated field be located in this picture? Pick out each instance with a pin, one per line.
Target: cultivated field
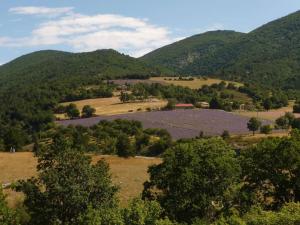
(180, 123)
(113, 106)
(129, 174)
(268, 115)
(193, 84)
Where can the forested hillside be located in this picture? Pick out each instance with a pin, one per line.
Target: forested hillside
(268, 55)
(32, 85)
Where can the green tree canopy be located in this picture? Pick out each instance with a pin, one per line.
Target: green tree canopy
(253, 124)
(67, 184)
(192, 179)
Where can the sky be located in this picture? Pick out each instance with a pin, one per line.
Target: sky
(133, 27)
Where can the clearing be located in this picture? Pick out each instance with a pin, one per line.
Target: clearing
(129, 174)
(113, 105)
(193, 84)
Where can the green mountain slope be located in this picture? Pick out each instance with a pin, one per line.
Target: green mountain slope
(184, 55)
(269, 55)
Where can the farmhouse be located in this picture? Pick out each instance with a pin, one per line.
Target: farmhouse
(204, 105)
(184, 106)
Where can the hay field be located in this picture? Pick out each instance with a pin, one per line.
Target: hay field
(194, 84)
(113, 105)
(128, 174)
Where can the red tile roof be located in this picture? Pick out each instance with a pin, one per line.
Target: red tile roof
(184, 105)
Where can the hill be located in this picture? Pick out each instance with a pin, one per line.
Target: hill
(32, 85)
(57, 66)
(183, 56)
(268, 55)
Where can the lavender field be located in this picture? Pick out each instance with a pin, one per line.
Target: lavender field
(180, 123)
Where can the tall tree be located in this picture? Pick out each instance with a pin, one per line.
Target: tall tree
(272, 171)
(67, 184)
(253, 124)
(192, 179)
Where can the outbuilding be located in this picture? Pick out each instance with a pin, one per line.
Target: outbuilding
(184, 106)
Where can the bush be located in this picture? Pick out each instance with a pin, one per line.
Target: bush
(266, 129)
(296, 108)
(88, 111)
(225, 135)
(72, 111)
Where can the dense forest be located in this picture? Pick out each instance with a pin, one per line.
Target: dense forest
(268, 55)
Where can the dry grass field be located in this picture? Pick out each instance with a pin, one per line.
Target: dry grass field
(128, 174)
(269, 115)
(194, 84)
(113, 106)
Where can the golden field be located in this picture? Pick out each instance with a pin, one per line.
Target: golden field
(269, 115)
(194, 84)
(129, 174)
(113, 105)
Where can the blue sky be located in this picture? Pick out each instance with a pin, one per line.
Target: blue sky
(134, 27)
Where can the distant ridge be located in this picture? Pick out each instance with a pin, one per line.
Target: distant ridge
(269, 55)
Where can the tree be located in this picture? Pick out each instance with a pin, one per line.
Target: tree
(271, 171)
(7, 215)
(193, 178)
(296, 108)
(289, 214)
(267, 104)
(286, 121)
(225, 135)
(266, 129)
(215, 103)
(253, 125)
(124, 97)
(141, 212)
(14, 137)
(171, 104)
(88, 111)
(72, 111)
(124, 147)
(66, 186)
(296, 124)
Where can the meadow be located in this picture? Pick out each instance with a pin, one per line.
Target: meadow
(129, 174)
(113, 105)
(193, 84)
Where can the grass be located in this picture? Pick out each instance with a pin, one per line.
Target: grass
(113, 105)
(194, 84)
(128, 174)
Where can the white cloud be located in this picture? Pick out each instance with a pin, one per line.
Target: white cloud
(41, 11)
(129, 35)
